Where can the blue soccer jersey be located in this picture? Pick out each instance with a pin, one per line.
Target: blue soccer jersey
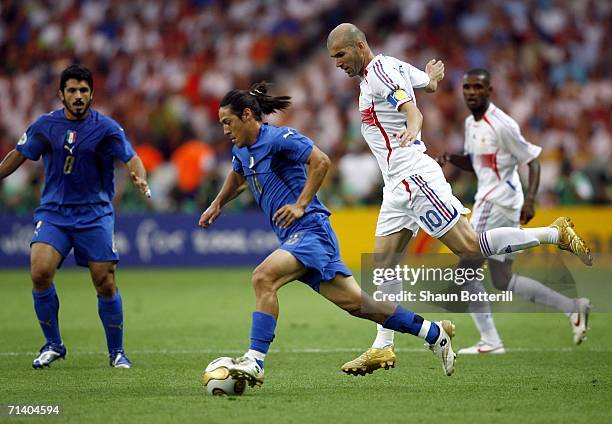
(79, 158)
(275, 170)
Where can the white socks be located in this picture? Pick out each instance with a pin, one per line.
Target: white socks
(507, 240)
(486, 326)
(481, 314)
(536, 292)
(255, 354)
(384, 336)
(545, 235)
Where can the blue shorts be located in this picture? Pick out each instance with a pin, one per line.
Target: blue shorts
(316, 247)
(91, 244)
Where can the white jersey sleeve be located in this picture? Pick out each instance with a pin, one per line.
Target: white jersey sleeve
(512, 139)
(387, 82)
(418, 78)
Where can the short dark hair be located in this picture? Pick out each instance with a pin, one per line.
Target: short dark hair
(77, 72)
(256, 99)
(480, 72)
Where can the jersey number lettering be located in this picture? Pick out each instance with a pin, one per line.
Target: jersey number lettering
(68, 164)
(255, 184)
(431, 220)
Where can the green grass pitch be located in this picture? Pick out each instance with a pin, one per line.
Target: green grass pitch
(177, 321)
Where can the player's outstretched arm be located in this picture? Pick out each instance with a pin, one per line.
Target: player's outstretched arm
(318, 164)
(233, 186)
(528, 209)
(435, 71)
(139, 175)
(10, 163)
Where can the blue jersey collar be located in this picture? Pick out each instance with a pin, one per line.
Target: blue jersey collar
(263, 127)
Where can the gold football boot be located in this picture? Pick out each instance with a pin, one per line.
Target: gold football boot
(569, 240)
(371, 360)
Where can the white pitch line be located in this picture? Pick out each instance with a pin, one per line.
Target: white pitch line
(222, 351)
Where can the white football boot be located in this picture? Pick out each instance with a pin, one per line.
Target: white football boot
(50, 352)
(248, 369)
(483, 348)
(579, 320)
(442, 347)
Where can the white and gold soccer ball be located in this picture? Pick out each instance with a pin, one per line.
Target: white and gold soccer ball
(219, 382)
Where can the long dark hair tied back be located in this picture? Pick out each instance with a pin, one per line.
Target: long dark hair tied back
(255, 98)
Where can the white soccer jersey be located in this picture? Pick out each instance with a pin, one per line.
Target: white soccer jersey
(496, 147)
(386, 85)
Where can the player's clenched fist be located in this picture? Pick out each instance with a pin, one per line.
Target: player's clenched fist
(435, 70)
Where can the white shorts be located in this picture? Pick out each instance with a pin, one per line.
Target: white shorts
(422, 200)
(487, 216)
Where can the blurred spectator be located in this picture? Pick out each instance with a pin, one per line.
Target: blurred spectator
(161, 67)
(193, 160)
(359, 176)
(150, 156)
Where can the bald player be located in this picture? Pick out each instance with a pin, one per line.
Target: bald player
(416, 193)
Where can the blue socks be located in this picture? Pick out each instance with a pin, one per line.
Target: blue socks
(46, 305)
(432, 333)
(405, 321)
(262, 334)
(111, 314)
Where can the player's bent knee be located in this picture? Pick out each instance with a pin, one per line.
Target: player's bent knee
(42, 278)
(262, 281)
(105, 283)
(106, 288)
(107, 291)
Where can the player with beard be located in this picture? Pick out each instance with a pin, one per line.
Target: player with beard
(78, 146)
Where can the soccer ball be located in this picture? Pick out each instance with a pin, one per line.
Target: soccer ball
(219, 382)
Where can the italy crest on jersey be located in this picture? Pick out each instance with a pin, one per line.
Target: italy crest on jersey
(71, 137)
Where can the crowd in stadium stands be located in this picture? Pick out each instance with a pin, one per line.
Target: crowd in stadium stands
(161, 67)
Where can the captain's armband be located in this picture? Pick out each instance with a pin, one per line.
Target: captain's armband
(398, 98)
